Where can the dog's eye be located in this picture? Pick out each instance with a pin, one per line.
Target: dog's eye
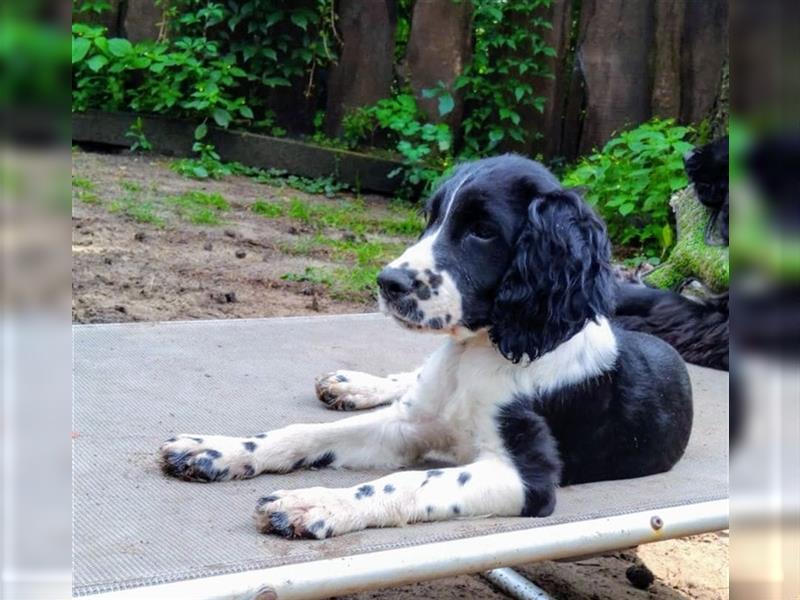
(482, 231)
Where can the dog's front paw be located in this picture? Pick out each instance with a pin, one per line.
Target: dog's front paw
(351, 390)
(208, 458)
(313, 513)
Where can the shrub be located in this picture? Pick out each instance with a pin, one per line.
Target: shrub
(631, 180)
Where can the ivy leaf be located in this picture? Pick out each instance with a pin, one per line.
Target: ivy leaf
(446, 104)
(97, 62)
(300, 20)
(429, 92)
(519, 92)
(246, 112)
(200, 172)
(222, 117)
(80, 47)
(626, 208)
(201, 131)
(119, 47)
(495, 135)
(276, 82)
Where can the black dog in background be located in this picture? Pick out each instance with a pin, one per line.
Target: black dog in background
(697, 327)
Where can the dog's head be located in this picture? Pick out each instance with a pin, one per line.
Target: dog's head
(505, 249)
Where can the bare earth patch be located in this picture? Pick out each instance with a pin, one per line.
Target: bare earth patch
(146, 249)
(150, 245)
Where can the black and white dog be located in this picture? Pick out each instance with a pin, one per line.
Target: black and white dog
(532, 388)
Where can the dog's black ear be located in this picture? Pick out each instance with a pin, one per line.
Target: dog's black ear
(559, 278)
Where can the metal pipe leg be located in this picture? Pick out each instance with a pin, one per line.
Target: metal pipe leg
(515, 585)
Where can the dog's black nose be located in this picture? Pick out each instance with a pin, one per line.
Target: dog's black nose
(395, 283)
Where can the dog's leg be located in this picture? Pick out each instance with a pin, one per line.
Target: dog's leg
(384, 438)
(353, 390)
(489, 487)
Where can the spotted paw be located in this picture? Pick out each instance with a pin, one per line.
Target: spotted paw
(209, 458)
(351, 390)
(313, 513)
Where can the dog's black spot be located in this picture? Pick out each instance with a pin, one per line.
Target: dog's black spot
(202, 469)
(322, 461)
(249, 446)
(463, 477)
(175, 463)
(435, 323)
(435, 280)
(388, 488)
(298, 464)
(329, 532)
(260, 436)
(279, 523)
(199, 440)
(423, 292)
(349, 404)
(456, 509)
(435, 473)
(404, 265)
(428, 510)
(316, 526)
(265, 500)
(448, 317)
(342, 379)
(364, 492)
(249, 471)
(213, 453)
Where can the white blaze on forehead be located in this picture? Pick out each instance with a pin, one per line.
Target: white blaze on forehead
(420, 255)
(444, 301)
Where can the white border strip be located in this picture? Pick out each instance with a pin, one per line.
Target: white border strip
(325, 578)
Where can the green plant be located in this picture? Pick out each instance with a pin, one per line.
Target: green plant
(218, 60)
(508, 50)
(425, 147)
(631, 180)
(136, 134)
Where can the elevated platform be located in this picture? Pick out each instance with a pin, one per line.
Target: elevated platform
(137, 384)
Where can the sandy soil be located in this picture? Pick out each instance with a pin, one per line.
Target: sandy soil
(124, 271)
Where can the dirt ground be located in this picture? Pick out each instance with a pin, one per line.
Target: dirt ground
(134, 261)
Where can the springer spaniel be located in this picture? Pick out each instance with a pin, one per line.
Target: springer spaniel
(532, 387)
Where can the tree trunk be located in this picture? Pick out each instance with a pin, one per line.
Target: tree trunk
(142, 20)
(364, 73)
(666, 99)
(705, 43)
(613, 56)
(548, 124)
(439, 47)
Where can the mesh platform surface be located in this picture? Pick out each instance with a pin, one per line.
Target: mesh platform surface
(137, 384)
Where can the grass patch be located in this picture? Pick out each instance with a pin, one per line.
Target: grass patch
(356, 280)
(200, 208)
(271, 210)
(130, 186)
(139, 211)
(82, 183)
(84, 190)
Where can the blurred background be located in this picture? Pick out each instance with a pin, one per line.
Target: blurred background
(609, 94)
